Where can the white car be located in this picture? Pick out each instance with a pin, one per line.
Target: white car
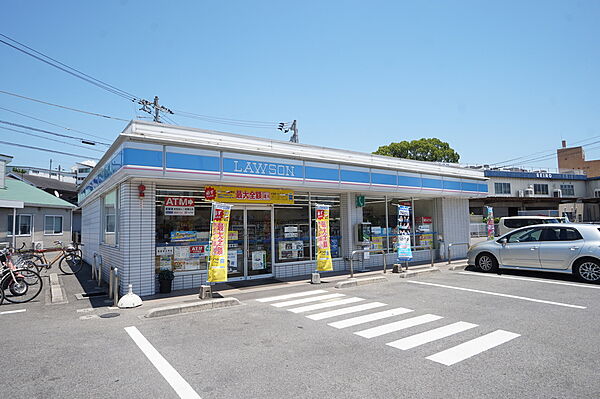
(510, 223)
(556, 247)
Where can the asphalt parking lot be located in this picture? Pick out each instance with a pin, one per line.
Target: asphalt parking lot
(450, 334)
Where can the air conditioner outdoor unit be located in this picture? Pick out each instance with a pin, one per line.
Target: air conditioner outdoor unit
(38, 245)
(597, 193)
(520, 193)
(529, 192)
(557, 193)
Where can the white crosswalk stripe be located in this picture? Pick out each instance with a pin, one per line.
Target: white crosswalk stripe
(397, 326)
(343, 311)
(354, 321)
(324, 305)
(306, 300)
(431, 335)
(473, 347)
(289, 296)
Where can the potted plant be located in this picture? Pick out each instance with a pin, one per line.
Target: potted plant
(165, 281)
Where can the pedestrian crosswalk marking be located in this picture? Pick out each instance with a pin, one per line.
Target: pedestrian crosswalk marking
(397, 326)
(306, 300)
(343, 311)
(431, 335)
(288, 296)
(323, 305)
(473, 347)
(354, 321)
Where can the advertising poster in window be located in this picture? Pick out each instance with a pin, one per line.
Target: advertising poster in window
(490, 223)
(403, 246)
(259, 260)
(179, 206)
(217, 264)
(324, 263)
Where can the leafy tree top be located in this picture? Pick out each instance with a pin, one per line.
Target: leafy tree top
(433, 150)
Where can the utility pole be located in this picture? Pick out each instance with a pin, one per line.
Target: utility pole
(157, 108)
(294, 138)
(50, 173)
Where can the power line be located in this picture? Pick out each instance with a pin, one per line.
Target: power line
(68, 69)
(45, 149)
(51, 139)
(83, 140)
(64, 107)
(217, 118)
(51, 123)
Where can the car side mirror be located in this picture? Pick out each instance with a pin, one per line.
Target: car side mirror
(503, 241)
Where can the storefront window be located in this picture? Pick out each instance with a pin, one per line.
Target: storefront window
(292, 230)
(333, 200)
(182, 229)
(424, 223)
(374, 212)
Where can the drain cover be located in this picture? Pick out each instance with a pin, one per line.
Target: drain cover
(109, 315)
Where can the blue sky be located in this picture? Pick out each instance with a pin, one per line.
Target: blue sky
(497, 80)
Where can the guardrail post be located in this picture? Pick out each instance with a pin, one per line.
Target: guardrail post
(100, 271)
(384, 261)
(449, 258)
(431, 252)
(352, 266)
(94, 266)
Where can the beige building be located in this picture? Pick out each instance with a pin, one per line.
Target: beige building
(573, 158)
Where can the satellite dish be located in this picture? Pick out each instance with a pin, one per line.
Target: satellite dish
(56, 193)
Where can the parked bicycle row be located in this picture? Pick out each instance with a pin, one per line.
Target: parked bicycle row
(20, 279)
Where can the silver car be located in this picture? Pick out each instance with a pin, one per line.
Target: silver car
(556, 247)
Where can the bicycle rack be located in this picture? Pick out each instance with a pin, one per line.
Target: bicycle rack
(362, 251)
(453, 245)
(97, 268)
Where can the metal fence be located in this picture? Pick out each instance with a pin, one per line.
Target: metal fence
(480, 230)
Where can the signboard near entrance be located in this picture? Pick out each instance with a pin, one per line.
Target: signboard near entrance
(179, 206)
(249, 195)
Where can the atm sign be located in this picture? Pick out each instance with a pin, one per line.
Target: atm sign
(179, 206)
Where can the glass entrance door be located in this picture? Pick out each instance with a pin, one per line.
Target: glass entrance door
(250, 243)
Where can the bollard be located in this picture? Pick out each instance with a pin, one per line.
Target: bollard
(432, 255)
(116, 287)
(94, 266)
(315, 278)
(205, 292)
(111, 282)
(100, 271)
(384, 263)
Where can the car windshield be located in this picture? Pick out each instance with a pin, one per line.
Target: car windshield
(550, 221)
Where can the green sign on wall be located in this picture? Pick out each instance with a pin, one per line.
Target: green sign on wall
(360, 201)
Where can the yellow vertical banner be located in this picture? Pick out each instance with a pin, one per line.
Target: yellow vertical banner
(219, 226)
(324, 263)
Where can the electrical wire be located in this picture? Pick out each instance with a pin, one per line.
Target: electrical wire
(217, 118)
(64, 107)
(53, 133)
(45, 149)
(68, 69)
(51, 139)
(51, 123)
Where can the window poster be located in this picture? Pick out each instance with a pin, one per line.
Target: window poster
(163, 251)
(183, 236)
(259, 260)
(181, 252)
(291, 249)
(404, 250)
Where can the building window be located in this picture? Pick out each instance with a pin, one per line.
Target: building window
(23, 226)
(53, 225)
(502, 188)
(109, 217)
(541, 189)
(567, 190)
(375, 212)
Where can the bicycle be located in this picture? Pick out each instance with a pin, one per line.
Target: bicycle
(69, 259)
(17, 285)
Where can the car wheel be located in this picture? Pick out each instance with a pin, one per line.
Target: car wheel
(486, 262)
(588, 270)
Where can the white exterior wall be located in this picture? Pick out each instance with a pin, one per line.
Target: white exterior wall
(516, 184)
(90, 230)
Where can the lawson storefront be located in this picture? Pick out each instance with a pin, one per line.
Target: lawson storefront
(147, 204)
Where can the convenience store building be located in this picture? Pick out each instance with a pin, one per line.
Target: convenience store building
(147, 204)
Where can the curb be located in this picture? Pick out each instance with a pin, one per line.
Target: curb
(415, 273)
(56, 293)
(353, 282)
(192, 307)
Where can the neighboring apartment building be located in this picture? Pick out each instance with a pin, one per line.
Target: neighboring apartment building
(83, 169)
(60, 175)
(573, 158)
(31, 216)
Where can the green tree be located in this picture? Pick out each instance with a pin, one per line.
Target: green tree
(433, 150)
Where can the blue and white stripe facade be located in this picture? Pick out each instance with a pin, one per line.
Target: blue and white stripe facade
(156, 154)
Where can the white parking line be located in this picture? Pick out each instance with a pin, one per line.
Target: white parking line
(181, 387)
(324, 305)
(397, 326)
(499, 294)
(369, 317)
(306, 300)
(537, 280)
(288, 296)
(431, 335)
(13, 311)
(472, 347)
(351, 309)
